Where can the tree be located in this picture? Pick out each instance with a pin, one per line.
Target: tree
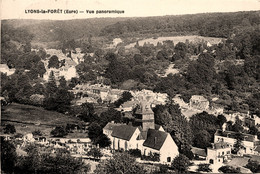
(9, 129)
(60, 162)
(87, 112)
(118, 164)
(239, 144)
(54, 62)
(103, 141)
(138, 59)
(41, 68)
(254, 166)
(126, 96)
(253, 130)
(94, 130)
(229, 169)
(221, 120)
(202, 139)
(181, 163)
(8, 156)
(63, 83)
(172, 120)
(95, 152)
(110, 115)
(59, 131)
(204, 167)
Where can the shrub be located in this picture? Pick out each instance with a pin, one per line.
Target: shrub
(204, 167)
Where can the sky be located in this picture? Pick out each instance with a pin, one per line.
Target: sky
(16, 9)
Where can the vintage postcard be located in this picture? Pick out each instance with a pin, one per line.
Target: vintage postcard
(130, 86)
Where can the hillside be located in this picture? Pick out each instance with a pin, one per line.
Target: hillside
(206, 24)
(57, 30)
(28, 118)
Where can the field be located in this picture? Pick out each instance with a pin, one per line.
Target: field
(29, 118)
(176, 39)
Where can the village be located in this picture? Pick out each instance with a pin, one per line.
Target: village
(150, 140)
(145, 95)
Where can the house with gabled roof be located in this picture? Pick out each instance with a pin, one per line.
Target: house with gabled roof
(219, 152)
(249, 141)
(161, 143)
(148, 138)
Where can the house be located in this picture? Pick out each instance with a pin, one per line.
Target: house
(249, 141)
(6, 70)
(127, 106)
(108, 129)
(148, 138)
(125, 137)
(199, 102)
(220, 152)
(160, 142)
(199, 153)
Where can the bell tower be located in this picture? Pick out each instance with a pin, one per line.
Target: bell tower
(147, 117)
(145, 112)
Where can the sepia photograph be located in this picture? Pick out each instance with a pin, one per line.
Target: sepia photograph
(130, 86)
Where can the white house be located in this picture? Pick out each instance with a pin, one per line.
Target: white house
(218, 153)
(148, 138)
(199, 102)
(126, 137)
(249, 141)
(162, 143)
(6, 70)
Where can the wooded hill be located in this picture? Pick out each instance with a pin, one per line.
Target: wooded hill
(206, 24)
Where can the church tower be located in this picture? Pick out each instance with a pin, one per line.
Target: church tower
(145, 112)
(147, 117)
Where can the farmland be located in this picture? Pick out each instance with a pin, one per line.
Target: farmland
(29, 118)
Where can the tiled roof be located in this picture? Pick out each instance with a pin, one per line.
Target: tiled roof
(198, 151)
(220, 145)
(155, 139)
(231, 134)
(198, 97)
(238, 161)
(110, 126)
(124, 132)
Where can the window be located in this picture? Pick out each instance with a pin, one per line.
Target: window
(223, 153)
(168, 159)
(228, 152)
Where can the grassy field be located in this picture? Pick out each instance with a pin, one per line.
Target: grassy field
(28, 118)
(176, 39)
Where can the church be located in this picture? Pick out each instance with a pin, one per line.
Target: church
(148, 138)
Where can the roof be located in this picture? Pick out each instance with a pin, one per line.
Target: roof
(198, 97)
(155, 139)
(255, 158)
(110, 126)
(231, 134)
(199, 151)
(130, 103)
(219, 145)
(124, 132)
(238, 161)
